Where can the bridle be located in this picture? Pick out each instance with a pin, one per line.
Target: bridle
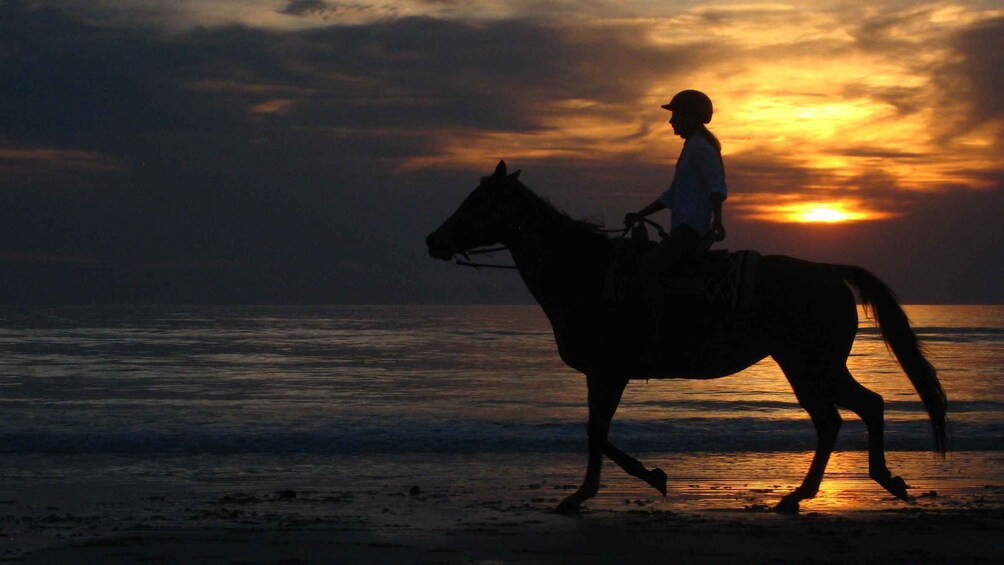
(466, 262)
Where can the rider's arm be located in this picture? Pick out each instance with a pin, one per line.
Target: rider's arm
(717, 224)
(711, 176)
(652, 208)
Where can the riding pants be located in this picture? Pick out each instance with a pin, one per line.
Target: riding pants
(681, 242)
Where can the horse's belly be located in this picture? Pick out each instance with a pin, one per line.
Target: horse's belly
(696, 351)
(699, 367)
(709, 355)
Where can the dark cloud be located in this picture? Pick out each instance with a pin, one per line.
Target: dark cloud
(118, 90)
(974, 78)
(497, 76)
(253, 165)
(305, 8)
(75, 85)
(326, 10)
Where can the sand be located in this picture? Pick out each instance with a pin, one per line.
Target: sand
(635, 537)
(433, 509)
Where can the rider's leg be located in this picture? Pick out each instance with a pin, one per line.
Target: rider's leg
(668, 254)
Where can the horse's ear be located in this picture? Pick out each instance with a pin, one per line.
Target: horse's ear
(500, 169)
(515, 175)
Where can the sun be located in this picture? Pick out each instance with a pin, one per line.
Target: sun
(822, 214)
(828, 212)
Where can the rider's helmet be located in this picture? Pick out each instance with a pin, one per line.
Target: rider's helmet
(692, 102)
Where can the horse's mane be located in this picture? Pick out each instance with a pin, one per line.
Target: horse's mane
(545, 208)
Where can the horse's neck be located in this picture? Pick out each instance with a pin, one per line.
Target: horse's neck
(561, 263)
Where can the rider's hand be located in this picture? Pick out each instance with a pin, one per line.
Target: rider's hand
(719, 230)
(632, 218)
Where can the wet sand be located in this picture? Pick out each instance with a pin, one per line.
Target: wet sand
(433, 509)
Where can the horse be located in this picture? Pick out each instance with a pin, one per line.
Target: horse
(802, 314)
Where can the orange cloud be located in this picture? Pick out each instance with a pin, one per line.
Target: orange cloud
(848, 103)
(60, 159)
(274, 106)
(43, 167)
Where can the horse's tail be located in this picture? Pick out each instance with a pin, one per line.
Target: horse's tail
(900, 338)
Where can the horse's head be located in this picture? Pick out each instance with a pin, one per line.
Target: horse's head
(485, 217)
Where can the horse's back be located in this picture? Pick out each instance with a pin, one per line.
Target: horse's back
(800, 305)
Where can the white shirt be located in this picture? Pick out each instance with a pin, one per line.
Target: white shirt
(699, 174)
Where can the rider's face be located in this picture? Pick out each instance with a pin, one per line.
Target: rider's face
(684, 125)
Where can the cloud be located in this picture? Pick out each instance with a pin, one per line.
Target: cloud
(305, 8)
(338, 12)
(259, 145)
(181, 16)
(485, 75)
(21, 158)
(42, 168)
(972, 79)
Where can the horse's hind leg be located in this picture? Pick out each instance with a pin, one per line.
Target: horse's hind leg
(827, 421)
(870, 407)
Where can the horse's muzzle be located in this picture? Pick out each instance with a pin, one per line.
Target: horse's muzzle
(439, 247)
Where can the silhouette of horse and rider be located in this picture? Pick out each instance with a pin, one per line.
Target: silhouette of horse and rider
(800, 313)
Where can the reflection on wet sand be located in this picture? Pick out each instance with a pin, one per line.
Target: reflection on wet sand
(756, 481)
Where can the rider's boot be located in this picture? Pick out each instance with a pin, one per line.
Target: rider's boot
(653, 349)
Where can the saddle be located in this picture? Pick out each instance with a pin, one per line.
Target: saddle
(717, 280)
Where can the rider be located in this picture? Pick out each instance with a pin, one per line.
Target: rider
(695, 198)
(697, 192)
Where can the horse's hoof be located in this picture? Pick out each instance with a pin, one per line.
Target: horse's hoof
(788, 505)
(568, 507)
(897, 487)
(657, 478)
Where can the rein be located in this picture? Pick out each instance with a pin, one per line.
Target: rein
(466, 262)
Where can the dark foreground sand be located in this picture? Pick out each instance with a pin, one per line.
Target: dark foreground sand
(630, 537)
(369, 511)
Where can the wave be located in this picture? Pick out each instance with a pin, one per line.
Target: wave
(486, 436)
(744, 406)
(948, 334)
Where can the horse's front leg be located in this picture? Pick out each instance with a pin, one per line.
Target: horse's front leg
(604, 396)
(655, 477)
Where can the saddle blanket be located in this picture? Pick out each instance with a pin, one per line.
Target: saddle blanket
(721, 279)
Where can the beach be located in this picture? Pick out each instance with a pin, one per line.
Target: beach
(448, 434)
(478, 509)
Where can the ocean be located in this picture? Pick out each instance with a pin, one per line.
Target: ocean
(431, 393)
(427, 379)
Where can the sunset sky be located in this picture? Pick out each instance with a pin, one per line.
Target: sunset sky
(299, 151)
